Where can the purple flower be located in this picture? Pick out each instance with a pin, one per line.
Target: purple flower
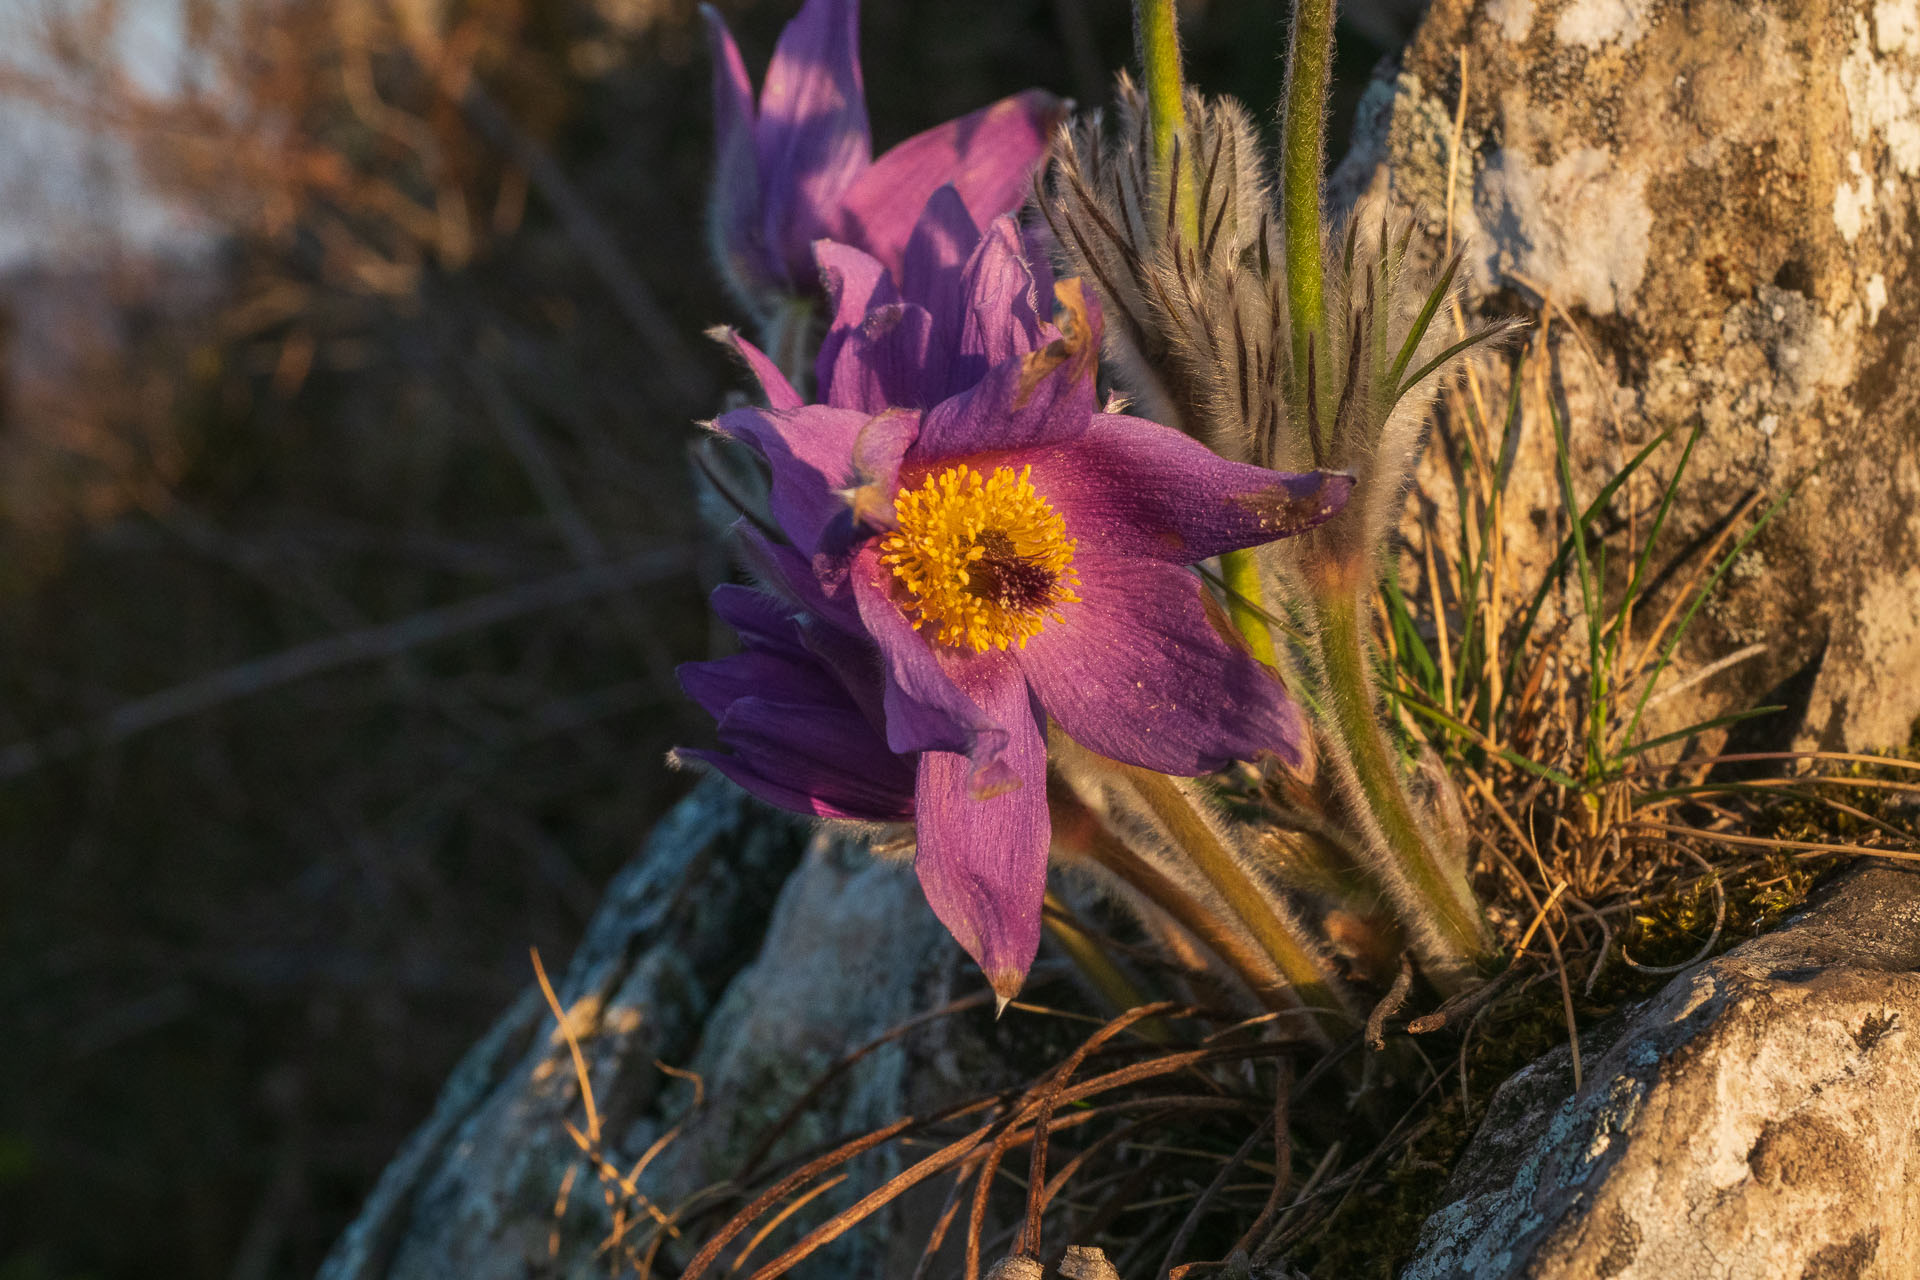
(1013, 555)
(801, 167)
(799, 709)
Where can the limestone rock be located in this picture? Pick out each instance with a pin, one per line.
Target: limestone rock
(472, 1192)
(852, 953)
(1759, 1118)
(1721, 194)
(738, 948)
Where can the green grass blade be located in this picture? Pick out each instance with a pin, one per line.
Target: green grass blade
(1703, 726)
(1467, 343)
(1557, 569)
(1286, 626)
(1653, 532)
(1478, 739)
(1424, 321)
(1509, 437)
(1700, 598)
(1407, 639)
(1578, 518)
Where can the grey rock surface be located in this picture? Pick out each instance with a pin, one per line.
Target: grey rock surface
(1721, 195)
(737, 947)
(472, 1192)
(1758, 1119)
(851, 953)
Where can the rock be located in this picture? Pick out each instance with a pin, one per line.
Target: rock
(726, 951)
(1759, 1118)
(851, 953)
(1721, 195)
(472, 1192)
(1082, 1263)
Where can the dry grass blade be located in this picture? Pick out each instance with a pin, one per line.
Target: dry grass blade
(799, 1177)
(779, 1128)
(777, 1220)
(1282, 1160)
(1805, 847)
(1205, 1199)
(1007, 1133)
(838, 1225)
(943, 1224)
(1050, 1099)
(573, 1046)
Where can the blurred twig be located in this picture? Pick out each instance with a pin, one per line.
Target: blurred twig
(668, 353)
(316, 657)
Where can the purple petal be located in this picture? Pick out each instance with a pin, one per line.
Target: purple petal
(1037, 249)
(810, 451)
(877, 453)
(1139, 673)
(983, 862)
(828, 636)
(785, 571)
(789, 676)
(1127, 486)
(1044, 397)
(812, 134)
(855, 283)
(988, 157)
(773, 384)
(927, 707)
(882, 362)
(855, 663)
(1002, 318)
(931, 273)
(825, 761)
(759, 619)
(734, 200)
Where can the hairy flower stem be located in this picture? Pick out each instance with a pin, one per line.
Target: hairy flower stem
(1451, 916)
(1158, 33)
(1176, 811)
(1241, 572)
(1303, 144)
(1079, 832)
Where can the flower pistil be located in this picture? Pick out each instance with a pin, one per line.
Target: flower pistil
(984, 560)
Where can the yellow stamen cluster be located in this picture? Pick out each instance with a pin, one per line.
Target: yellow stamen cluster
(982, 560)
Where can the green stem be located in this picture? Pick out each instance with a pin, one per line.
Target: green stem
(1156, 28)
(1302, 162)
(1099, 969)
(1452, 913)
(1241, 572)
(1197, 839)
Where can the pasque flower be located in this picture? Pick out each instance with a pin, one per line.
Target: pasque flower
(799, 709)
(799, 166)
(1009, 554)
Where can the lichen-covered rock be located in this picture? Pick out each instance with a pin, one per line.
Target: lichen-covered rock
(852, 953)
(472, 1192)
(1722, 195)
(736, 947)
(1758, 1119)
